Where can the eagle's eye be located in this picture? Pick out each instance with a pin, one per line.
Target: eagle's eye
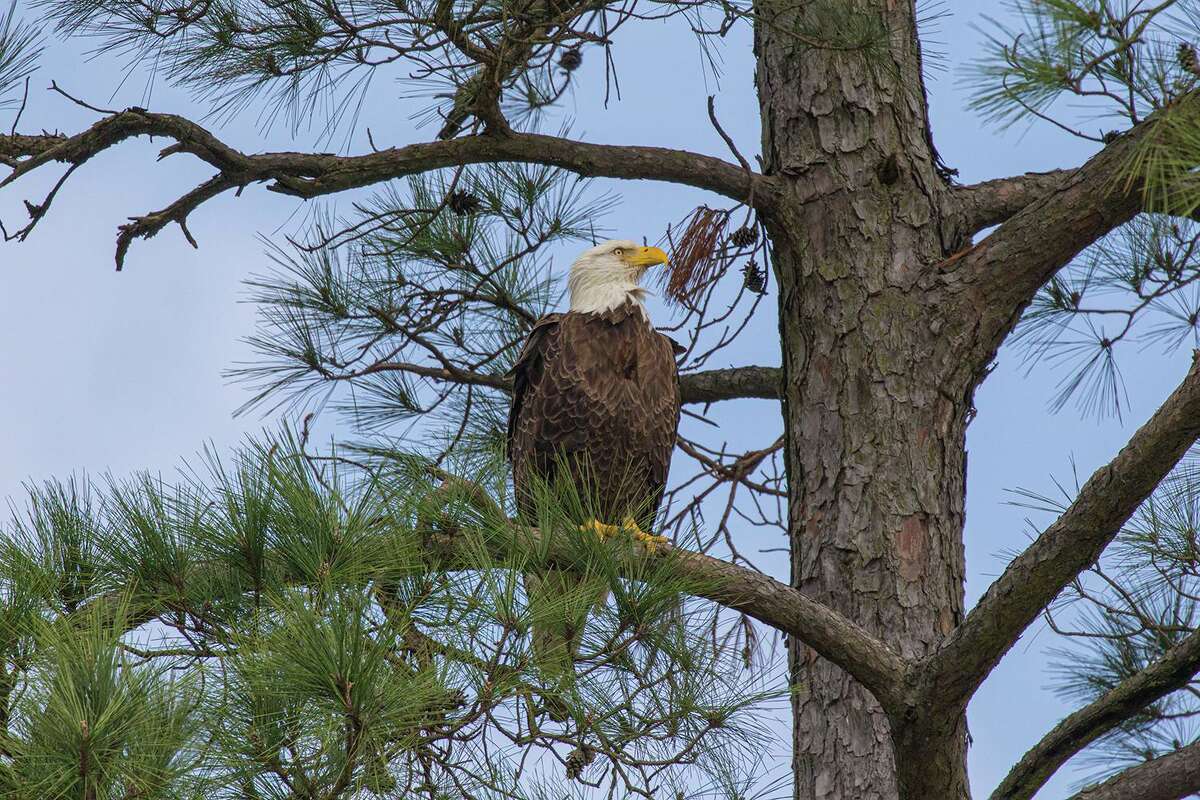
(617, 251)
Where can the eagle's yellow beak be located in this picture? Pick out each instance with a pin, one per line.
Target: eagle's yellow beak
(644, 257)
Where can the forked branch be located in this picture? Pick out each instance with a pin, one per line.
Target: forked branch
(992, 202)
(1065, 549)
(998, 277)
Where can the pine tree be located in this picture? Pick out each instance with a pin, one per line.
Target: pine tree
(296, 622)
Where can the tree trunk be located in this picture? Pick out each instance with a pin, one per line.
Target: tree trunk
(877, 397)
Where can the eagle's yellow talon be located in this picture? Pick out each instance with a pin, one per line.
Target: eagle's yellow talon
(599, 528)
(629, 527)
(648, 540)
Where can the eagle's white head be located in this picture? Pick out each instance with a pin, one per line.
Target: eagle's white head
(607, 275)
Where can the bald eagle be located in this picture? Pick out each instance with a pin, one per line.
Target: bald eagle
(595, 403)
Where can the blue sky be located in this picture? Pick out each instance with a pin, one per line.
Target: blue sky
(123, 371)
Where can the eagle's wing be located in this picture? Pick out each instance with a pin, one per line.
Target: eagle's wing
(524, 373)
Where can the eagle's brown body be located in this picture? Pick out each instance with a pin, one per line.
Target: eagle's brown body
(596, 394)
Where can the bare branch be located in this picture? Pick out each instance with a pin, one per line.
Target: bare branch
(713, 385)
(870, 660)
(1066, 548)
(1170, 777)
(15, 146)
(146, 226)
(1173, 671)
(309, 175)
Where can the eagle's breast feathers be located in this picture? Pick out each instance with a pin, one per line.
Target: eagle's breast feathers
(596, 393)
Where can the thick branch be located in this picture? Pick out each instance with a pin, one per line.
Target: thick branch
(998, 277)
(1170, 777)
(872, 662)
(20, 146)
(992, 202)
(309, 175)
(1064, 549)
(1173, 671)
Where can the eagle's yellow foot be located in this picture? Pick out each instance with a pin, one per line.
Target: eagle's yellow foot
(599, 528)
(648, 540)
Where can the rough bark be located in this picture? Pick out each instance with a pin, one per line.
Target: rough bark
(1170, 777)
(875, 399)
(992, 202)
(1069, 546)
(1174, 670)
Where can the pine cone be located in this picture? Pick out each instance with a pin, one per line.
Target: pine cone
(463, 203)
(1187, 58)
(754, 278)
(578, 759)
(744, 236)
(571, 59)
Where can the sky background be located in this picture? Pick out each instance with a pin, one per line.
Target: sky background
(107, 371)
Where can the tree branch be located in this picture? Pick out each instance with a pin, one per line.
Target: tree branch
(709, 386)
(712, 385)
(309, 175)
(17, 146)
(1170, 777)
(1173, 671)
(997, 278)
(1075, 540)
(869, 660)
(146, 226)
(992, 202)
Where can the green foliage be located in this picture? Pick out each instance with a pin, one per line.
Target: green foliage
(1136, 286)
(310, 63)
(292, 624)
(20, 46)
(836, 25)
(1120, 59)
(1135, 605)
(1165, 162)
(90, 723)
(414, 278)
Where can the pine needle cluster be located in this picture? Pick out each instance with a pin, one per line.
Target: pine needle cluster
(1133, 289)
(1127, 613)
(20, 46)
(288, 625)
